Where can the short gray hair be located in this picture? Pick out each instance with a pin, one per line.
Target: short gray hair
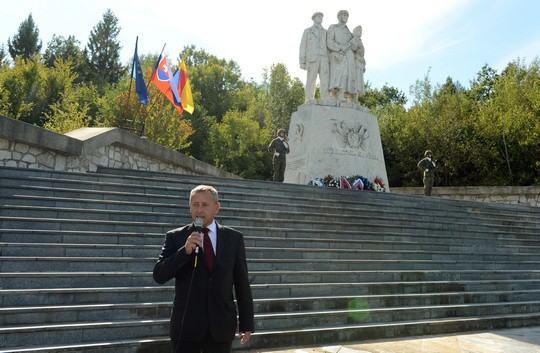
(204, 188)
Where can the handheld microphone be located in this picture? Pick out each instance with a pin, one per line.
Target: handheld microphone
(198, 226)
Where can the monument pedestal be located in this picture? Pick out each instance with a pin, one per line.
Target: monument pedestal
(333, 138)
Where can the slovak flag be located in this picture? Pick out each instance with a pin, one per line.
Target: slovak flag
(162, 78)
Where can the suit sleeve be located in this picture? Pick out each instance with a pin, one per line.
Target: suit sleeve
(172, 257)
(242, 289)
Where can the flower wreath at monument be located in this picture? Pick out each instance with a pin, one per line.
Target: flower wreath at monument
(356, 182)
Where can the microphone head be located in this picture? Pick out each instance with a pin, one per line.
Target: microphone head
(198, 224)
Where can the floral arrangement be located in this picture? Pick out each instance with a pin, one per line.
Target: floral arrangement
(356, 182)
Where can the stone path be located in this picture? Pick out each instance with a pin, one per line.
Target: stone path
(521, 340)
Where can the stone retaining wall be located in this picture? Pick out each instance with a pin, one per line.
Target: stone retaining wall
(26, 146)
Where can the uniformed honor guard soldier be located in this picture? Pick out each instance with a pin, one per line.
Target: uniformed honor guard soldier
(280, 147)
(428, 166)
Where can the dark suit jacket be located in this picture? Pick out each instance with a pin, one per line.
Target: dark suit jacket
(211, 302)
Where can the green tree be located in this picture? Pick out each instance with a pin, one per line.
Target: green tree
(67, 114)
(284, 95)
(26, 42)
(509, 127)
(103, 52)
(483, 86)
(20, 85)
(391, 116)
(65, 49)
(236, 145)
(379, 98)
(215, 83)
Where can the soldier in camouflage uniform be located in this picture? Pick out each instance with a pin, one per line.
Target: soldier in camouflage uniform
(427, 165)
(280, 147)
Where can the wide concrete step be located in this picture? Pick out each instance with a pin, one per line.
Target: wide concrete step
(263, 303)
(134, 264)
(81, 332)
(88, 236)
(84, 225)
(86, 295)
(299, 283)
(29, 315)
(85, 279)
(344, 252)
(143, 345)
(321, 318)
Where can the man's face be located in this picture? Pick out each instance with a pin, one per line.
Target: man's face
(281, 134)
(202, 205)
(318, 19)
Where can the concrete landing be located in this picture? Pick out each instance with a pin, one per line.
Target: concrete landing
(520, 340)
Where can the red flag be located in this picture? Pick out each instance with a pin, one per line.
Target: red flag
(161, 78)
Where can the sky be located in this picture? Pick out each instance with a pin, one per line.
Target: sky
(404, 40)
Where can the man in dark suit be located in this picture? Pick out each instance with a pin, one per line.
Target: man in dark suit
(204, 315)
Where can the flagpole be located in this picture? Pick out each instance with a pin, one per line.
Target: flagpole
(185, 57)
(131, 79)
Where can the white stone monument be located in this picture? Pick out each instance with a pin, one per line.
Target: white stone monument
(334, 139)
(335, 136)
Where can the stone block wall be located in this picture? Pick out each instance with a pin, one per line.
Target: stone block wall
(514, 195)
(85, 150)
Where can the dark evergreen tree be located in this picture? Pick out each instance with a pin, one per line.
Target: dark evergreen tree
(103, 52)
(26, 41)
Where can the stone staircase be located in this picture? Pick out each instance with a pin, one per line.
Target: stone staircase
(327, 265)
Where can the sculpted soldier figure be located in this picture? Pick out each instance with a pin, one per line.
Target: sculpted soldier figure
(314, 57)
